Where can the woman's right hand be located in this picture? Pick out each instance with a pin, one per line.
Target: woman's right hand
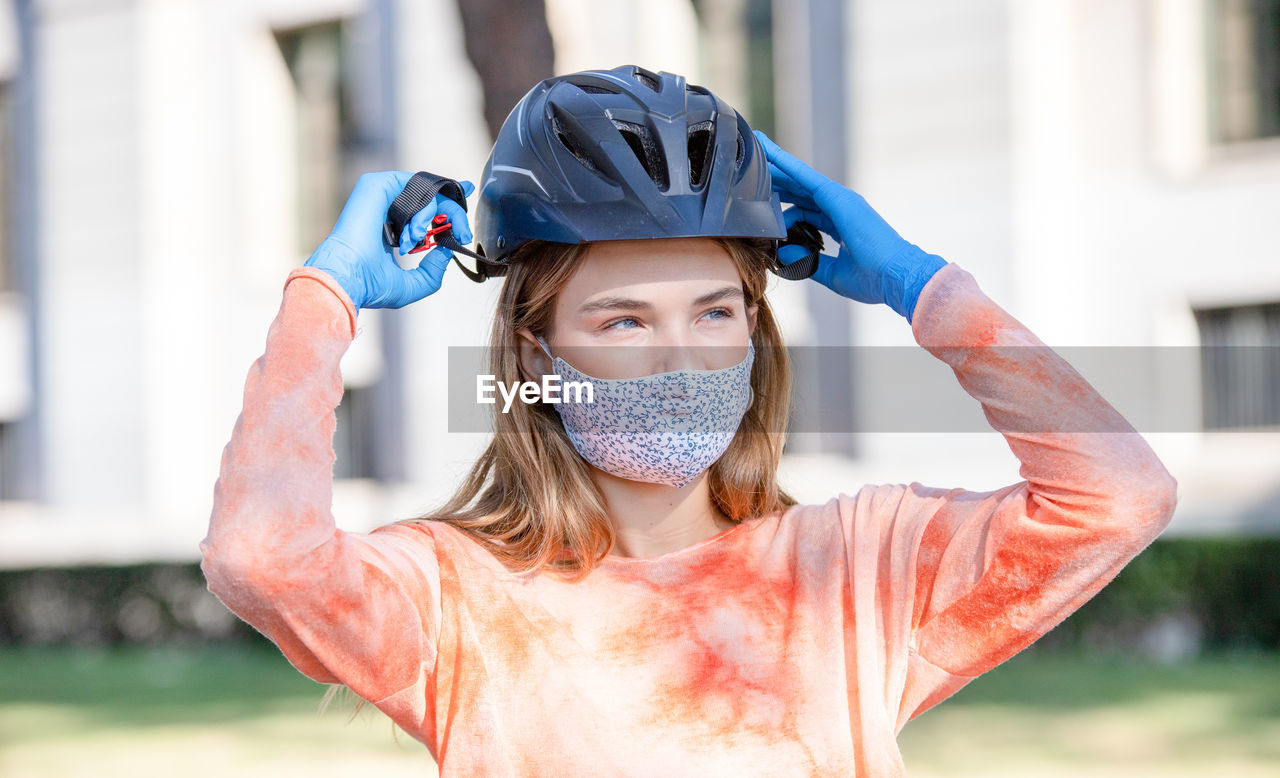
(362, 264)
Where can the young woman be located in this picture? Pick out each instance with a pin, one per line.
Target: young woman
(622, 587)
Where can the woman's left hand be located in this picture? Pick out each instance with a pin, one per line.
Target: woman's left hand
(875, 265)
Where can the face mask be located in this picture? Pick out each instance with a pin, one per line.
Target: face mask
(665, 428)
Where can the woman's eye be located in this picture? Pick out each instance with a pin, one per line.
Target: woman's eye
(625, 323)
(719, 313)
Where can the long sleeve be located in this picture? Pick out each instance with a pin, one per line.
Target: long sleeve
(342, 607)
(965, 580)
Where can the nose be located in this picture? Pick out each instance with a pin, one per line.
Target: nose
(674, 352)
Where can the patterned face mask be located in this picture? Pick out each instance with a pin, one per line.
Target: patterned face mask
(665, 428)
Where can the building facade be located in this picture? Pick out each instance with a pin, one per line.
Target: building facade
(1106, 170)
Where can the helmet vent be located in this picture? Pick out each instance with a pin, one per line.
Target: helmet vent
(699, 153)
(697, 90)
(643, 145)
(647, 78)
(567, 140)
(737, 162)
(596, 89)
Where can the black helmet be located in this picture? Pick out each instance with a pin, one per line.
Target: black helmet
(620, 154)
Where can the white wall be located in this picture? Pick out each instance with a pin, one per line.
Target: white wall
(654, 34)
(930, 137)
(90, 243)
(1148, 220)
(459, 315)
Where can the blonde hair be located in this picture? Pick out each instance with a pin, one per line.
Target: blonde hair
(529, 498)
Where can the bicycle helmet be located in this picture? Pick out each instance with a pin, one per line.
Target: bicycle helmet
(621, 154)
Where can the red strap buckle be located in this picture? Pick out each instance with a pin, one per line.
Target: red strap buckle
(442, 224)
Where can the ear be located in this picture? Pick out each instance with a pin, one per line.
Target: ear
(534, 362)
(751, 319)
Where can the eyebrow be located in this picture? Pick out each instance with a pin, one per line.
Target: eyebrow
(631, 304)
(720, 295)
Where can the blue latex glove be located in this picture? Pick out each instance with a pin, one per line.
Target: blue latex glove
(875, 265)
(355, 255)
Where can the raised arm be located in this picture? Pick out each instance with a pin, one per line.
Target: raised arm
(362, 610)
(960, 581)
(978, 576)
(337, 604)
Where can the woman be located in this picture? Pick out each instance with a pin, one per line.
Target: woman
(621, 587)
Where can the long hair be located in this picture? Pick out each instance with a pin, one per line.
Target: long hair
(529, 498)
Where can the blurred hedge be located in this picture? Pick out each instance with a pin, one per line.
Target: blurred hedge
(1184, 595)
(136, 604)
(1179, 597)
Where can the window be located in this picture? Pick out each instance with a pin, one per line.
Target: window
(353, 442)
(8, 282)
(7, 263)
(6, 472)
(1240, 365)
(326, 135)
(330, 151)
(1244, 69)
(759, 24)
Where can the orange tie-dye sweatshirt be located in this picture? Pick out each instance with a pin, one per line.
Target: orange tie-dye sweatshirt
(791, 644)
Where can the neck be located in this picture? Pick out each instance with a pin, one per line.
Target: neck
(650, 520)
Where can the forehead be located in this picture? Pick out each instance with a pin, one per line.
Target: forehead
(648, 268)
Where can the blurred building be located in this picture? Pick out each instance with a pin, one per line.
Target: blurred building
(1108, 172)
(1105, 169)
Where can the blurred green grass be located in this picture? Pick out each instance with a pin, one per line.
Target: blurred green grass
(204, 711)
(1058, 714)
(190, 711)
